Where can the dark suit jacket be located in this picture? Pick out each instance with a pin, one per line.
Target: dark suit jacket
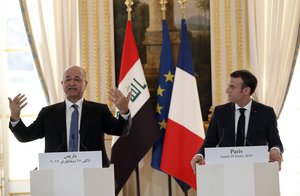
(262, 127)
(96, 119)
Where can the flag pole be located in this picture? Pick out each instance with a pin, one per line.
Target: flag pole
(163, 4)
(137, 174)
(170, 184)
(128, 4)
(163, 10)
(182, 8)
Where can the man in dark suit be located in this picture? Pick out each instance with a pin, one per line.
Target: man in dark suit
(54, 122)
(260, 127)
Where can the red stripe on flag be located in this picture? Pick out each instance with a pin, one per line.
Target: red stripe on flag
(128, 150)
(180, 145)
(130, 54)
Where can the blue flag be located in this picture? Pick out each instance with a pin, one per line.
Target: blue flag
(164, 92)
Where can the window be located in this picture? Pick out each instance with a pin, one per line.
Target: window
(288, 125)
(18, 75)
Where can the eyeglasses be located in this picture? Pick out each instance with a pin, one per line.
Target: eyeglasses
(75, 79)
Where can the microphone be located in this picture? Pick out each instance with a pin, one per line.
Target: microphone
(84, 147)
(81, 143)
(58, 148)
(218, 145)
(73, 142)
(244, 136)
(246, 141)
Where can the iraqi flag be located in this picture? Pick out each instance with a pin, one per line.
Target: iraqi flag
(129, 150)
(185, 133)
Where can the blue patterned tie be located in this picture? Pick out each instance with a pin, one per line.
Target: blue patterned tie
(73, 140)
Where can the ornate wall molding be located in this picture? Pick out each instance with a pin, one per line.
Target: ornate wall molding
(97, 48)
(229, 43)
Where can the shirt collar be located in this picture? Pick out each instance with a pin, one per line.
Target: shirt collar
(78, 103)
(247, 107)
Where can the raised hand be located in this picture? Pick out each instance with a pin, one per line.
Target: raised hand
(121, 102)
(16, 105)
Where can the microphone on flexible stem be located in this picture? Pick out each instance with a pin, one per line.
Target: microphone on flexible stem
(58, 148)
(244, 136)
(246, 141)
(84, 147)
(73, 141)
(81, 143)
(218, 145)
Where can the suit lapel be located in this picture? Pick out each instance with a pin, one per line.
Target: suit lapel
(84, 120)
(61, 121)
(231, 120)
(252, 119)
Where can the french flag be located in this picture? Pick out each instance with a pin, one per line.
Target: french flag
(185, 132)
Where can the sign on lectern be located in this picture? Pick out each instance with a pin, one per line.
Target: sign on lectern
(237, 171)
(230, 155)
(72, 173)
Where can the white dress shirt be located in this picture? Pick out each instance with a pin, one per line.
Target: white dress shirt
(247, 117)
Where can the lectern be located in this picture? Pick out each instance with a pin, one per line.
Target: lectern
(71, 179)
(238, 178)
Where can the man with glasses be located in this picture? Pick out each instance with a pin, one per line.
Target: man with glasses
(75, 124)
